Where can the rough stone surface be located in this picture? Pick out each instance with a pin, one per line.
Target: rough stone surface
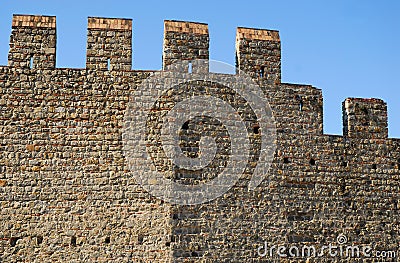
(258, 53)
(67, 195)
(33, 42)
(109, 44)
(184, 41)
(366, 118)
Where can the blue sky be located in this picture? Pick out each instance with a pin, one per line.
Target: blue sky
(346, 48)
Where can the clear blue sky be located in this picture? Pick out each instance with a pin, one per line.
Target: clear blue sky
(346, 48)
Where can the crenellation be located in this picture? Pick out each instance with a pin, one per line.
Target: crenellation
(185, 41)
(33, 42)
(109, 44)
(258, 53)
(298, 108)
(66, 191)
(365, 118)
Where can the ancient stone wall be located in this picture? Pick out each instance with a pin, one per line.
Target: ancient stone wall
(258, 53)
(365, 118)
(66, 193)
(109, 44)
(184, 41)
(33, 42)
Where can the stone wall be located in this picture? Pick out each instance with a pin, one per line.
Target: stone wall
(258, 53)
(184, 41)
(365, 118)
(66, 193)
(109, 44)
(33, 42)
